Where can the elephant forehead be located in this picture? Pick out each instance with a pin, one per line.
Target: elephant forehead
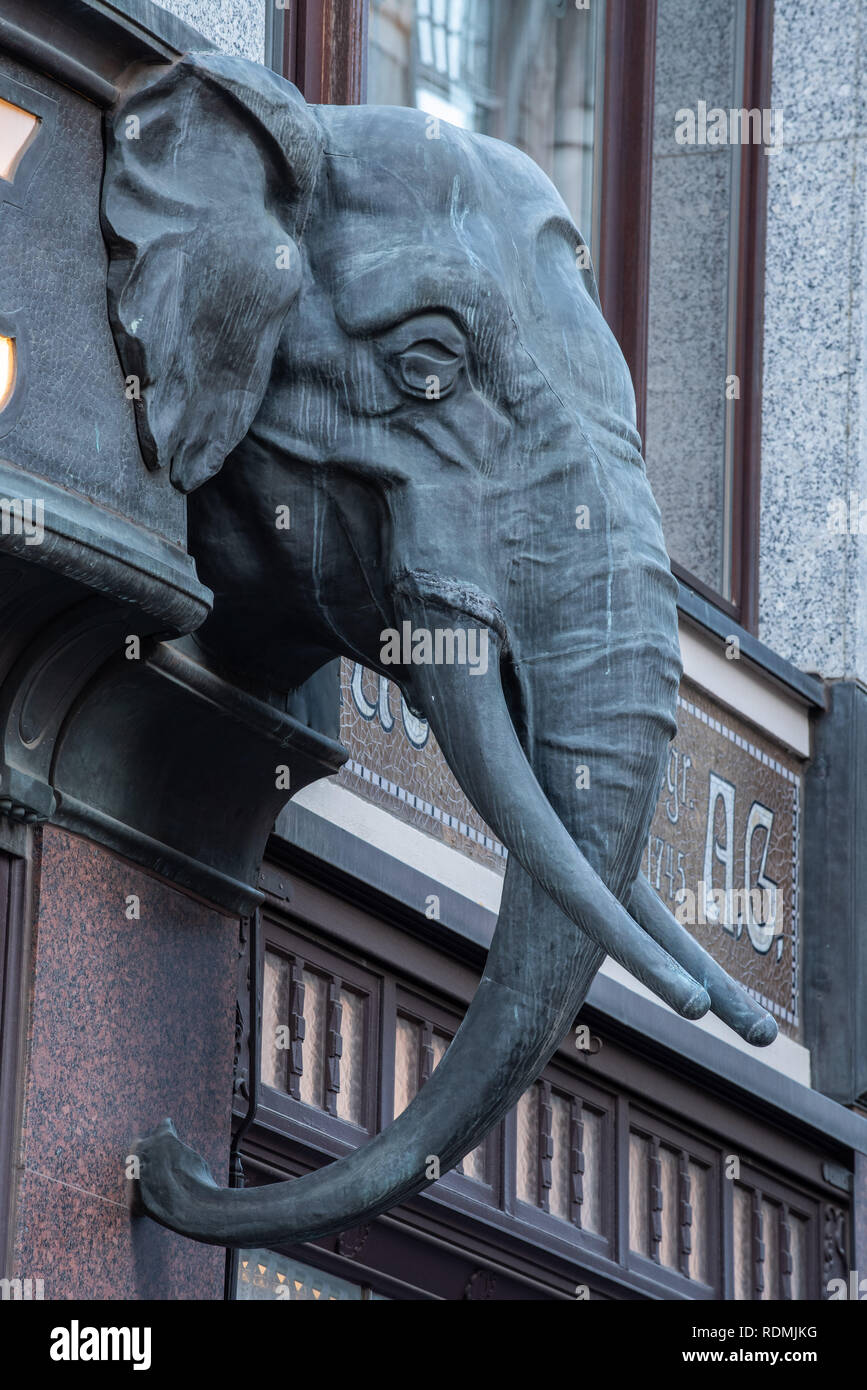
(468, 207)
(401, 223)
(382, 163)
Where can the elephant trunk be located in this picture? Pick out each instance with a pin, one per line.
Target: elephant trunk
(542, 960)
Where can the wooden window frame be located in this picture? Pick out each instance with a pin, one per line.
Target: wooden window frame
(784, 1194)
(361, 940)
(412, 1004)
(576, 1086)
(651, 1126)
(624, 257)
(293, 1115)
(321, 46)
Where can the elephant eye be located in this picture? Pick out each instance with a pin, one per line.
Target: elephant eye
(429, 368)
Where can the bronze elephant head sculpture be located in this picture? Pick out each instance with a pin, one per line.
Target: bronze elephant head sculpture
(397, 338)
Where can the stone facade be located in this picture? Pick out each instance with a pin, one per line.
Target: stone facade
(814, 408)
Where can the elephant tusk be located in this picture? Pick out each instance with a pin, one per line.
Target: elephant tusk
(468, 715)
(728, 1000)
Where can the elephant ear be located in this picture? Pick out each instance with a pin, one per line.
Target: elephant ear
(210, 167)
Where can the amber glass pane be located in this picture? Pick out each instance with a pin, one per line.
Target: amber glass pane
(7, 369)
(275, 1015)
(639, 1194)
(406, 1062)
(350, 1097)
(474, 1164)
(669, 1250)
(264, 1277)
(743, 1243)
(313, 1053)
(699, 1196)
(528, 1146)
(17, 131)
(439, 1048)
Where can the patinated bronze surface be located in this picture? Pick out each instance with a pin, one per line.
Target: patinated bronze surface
(371, 350)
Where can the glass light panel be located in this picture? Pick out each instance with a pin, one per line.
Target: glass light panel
(17, 132)
(639, 1194)
(528, 1146)
(474, 1165)
(350, 1097)
(406, 1063)
(275, 1014)
(264, 1276)
(312, 1088)
(591, 1207)
(699, 1196)
(771, 1238)
(798, 1228)
(7, 369)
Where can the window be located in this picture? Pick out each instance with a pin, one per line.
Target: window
(772, 1240)
(320, 45)
(17, 131)
(318, 1035)
(609, 1162)
(525, 71)
(673, 1186)
(712, 131)
(419, 1048)
(676, 228)
(562, 1141)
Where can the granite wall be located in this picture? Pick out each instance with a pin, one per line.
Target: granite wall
(813, 578)
(237, 26)
(131, 1020)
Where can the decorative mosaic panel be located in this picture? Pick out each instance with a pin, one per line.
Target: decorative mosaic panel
(395, 761)
(723, 850)
(727, 824)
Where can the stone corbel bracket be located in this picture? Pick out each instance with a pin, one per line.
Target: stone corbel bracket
(206, 768)
(153, 755)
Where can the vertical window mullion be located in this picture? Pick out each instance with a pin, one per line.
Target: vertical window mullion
(576, 1161)
(546, 1145)
(685, 1212)
(654, 1175)
(758, 1250)
(334, 1044)
(297, 1026)
(785, 1253)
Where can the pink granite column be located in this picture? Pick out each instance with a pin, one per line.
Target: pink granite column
(130, 1020)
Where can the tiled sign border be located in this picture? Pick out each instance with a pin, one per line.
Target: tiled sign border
(791, 1014)
(445, 818)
